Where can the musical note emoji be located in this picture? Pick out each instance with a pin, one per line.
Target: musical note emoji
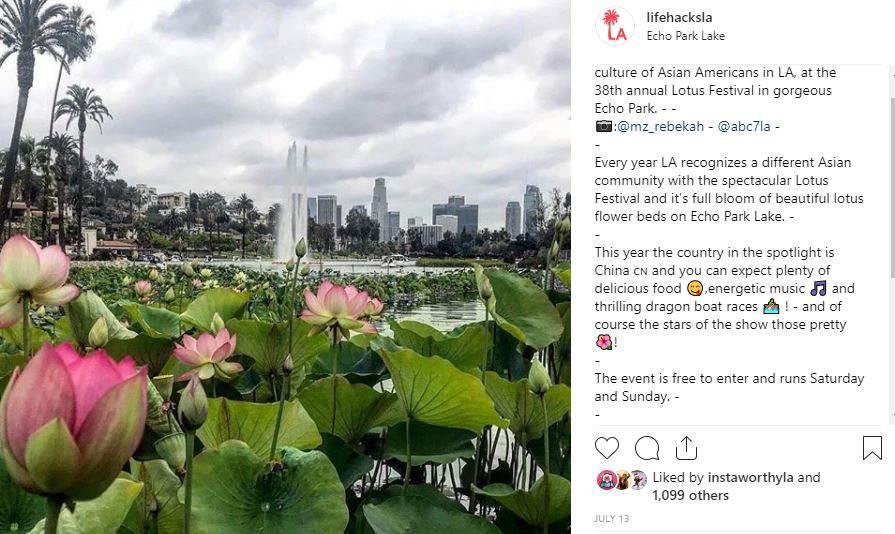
(820, 286)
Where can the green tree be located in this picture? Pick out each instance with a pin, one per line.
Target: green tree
(244, 205)
(26, 27)
(65, 149)
(83, 104)
(28, 159)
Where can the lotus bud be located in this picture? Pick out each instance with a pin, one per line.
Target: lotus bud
(172, 449)
(193, 407)
(143, 289)
(290, 265)
(165, 386)
(217, 323)
(265, 286)
(169, 295)
(187, 269)
(126, 281)
(42, 312)
(288, 365)
(89, 420)
(554, 251)
(538, 378)
(305, 269)
(206, 273)
(565, 226)
(301, 248)
(154, 275)
(485, 290)
(99, 333)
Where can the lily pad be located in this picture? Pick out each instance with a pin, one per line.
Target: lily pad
(410, 515)
(268, 343)
(239, 492)
(563, 271)
(83, 313)
(227, 303)
(529, 505)
(359, 365)
(350, 465)
(435, 392)
(514, 401)
(359, 408)
(523, 309)
(254, 424)
(429, 443)
(13, 335)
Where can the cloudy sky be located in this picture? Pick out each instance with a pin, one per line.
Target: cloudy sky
(463, 97)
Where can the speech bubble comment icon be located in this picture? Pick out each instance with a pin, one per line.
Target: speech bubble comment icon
(647, 448)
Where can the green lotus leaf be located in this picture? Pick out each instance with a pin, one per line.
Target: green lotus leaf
(514, 401)
(155, 322)
(254, 424)
(238, 492)
(523, 309)
(268, 343)
(466, 349)
(429, 443)
(350, 465)
(529, 505)
(161, 485)
(106, 513)
(19, 510)
(83, 313)
(359, 408)
(435, 392)
(227, 303)
(144, 349)
(13, 335)
(411, 515)
(563, 271)
(359, 365)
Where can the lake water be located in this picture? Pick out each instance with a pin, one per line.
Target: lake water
(444, 316)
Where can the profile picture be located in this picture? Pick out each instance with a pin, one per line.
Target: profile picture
(624, 480)
(608, 480)
(638, 480)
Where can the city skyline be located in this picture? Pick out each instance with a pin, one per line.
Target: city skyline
(481, 108)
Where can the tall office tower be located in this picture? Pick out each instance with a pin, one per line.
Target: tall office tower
(513, 224)
(532, 202)
(393, 225)
(312, 208)
(379, 208)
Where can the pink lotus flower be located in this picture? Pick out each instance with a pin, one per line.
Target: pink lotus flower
(26, 268)
(68, 423)
(207, 355)
(373, 308)
(604, 342)
(336, 305)
(143, 289)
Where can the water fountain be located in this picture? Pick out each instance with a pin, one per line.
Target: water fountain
(292, 224)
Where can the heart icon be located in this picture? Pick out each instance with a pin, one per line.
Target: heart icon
(607, 447)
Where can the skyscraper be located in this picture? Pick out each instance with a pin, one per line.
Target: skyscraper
(338, 216)
(327, 209)
(467, 214)
(450, 223)
(532, 203)
(393, 225)
(379, 208)
(513, 224)
(414, 221)
(312, 208)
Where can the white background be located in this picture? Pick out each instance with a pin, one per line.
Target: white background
(809, 429)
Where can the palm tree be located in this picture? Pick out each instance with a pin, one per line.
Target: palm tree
(244, 205)
(76, 47)
(82, 103)
(65, 148)
(28, 158)
(610, 18)
(26, 27)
